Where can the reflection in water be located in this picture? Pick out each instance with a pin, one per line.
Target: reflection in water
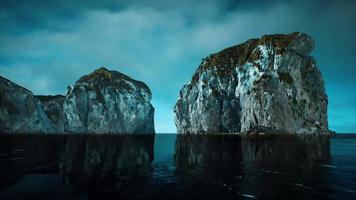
(175, 167)
(22, 155)
(255, 167)
(89, 164)
(105, 164)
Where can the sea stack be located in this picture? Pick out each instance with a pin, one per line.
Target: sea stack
(107, 101)
(104, 101)
(270, 84)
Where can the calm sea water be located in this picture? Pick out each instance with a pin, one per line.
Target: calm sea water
(168, 166)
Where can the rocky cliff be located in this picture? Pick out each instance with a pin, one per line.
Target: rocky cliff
(104, 101)
(108, 102)
(268, 83)
(21, 111)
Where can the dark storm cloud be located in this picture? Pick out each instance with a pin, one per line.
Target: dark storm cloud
(47, 45)
(23, 16)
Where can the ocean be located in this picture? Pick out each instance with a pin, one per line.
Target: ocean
(170, 166)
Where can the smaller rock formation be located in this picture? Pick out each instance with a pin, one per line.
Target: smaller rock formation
(108, 102)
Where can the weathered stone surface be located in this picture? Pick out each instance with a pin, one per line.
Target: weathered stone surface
(20, 111)
(269, 82)
(53, 106)
(102, 102)
(109, 102)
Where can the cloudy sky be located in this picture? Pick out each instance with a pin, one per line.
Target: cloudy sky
(47, 45)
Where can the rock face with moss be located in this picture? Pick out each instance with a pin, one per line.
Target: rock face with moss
(108, 102)
(21, 111)
(269, 83)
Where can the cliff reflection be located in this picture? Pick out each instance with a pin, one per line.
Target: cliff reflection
(106, 162)
(89, 164)
(204, 167)
(21, 155)
(251, 166)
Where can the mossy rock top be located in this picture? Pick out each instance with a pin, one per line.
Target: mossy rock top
(102, 77)
(237, 55)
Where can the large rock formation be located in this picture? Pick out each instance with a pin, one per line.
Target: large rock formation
(20, 111)
(109, 102)
(102, 102)
(269, 83)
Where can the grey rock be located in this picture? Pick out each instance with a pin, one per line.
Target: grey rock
(267, 83)
(108, 102)
(20, 111)
(53, 107)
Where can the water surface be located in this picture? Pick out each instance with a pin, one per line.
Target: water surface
(169, 166)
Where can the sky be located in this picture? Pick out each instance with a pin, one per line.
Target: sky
(47, 45)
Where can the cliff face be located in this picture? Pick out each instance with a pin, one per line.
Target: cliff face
(269, 82)
(108, 102)
(53, 107)
(21, 111)
(102, 102)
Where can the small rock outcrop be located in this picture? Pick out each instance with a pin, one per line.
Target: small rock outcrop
(21, 111)
(104, 101)
(267, 83)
